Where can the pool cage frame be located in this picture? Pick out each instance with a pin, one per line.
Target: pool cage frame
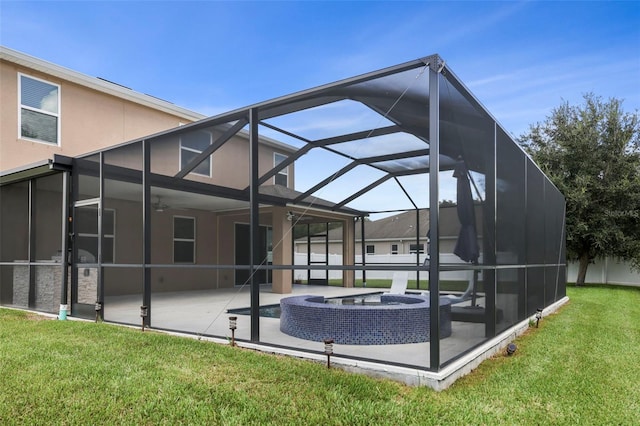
(434, 117)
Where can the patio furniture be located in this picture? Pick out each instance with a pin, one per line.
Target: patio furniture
(399, 282)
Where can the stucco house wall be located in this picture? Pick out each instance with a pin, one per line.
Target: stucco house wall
(89, 119)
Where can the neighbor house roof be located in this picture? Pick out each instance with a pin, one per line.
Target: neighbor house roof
(402, 226)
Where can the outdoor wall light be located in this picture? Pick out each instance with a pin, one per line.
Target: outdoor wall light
(233, 324)
(511, 349)
(328, 350)
(144, 313)
(538, 316)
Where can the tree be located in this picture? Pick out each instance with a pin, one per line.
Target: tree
(591, 152)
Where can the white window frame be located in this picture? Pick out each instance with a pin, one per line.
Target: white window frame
(191, 240)
(40, 111)
(394, 251)
(186, 148)
(284, 172)
(373, 249)
(112, 236)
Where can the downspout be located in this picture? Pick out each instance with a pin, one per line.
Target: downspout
(64, 255)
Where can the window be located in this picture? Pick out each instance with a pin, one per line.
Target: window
(416, 248)
(184, 239)
(371, 249)
(282, 178)
(394, 249)
(39, 110)
(191, 145)
(87, 239)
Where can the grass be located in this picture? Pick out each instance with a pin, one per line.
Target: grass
(579, 367)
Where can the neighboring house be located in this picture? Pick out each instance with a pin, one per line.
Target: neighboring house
(397, 234)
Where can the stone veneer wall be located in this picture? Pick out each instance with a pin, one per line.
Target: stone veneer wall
(21, 286)
(48, 286)
(87, 285)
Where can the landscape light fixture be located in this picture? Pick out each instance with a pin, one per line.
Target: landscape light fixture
(98, 309)
(511, 349)
(233, 324)
(538, 316)
(328, 350)
(144, 313)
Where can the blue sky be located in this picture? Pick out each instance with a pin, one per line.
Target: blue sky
(520, 59)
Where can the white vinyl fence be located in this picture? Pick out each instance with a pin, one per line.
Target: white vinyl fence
(606, 271)
(603, 271)
(371, 260)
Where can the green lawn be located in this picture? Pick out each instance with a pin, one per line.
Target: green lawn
(579, 367)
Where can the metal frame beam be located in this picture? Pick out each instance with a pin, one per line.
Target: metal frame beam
(378, 182)
(320, 143)
(358, 162)
(231, 131)
(254, 235)
(100, 289)
(146, 231)
(32, 244)
(434, 212)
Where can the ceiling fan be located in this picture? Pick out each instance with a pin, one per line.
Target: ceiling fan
(159, 206)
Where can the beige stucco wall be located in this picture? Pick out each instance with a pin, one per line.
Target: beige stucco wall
(89, 120)
(230, 163)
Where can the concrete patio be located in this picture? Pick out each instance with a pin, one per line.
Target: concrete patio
(204, 313)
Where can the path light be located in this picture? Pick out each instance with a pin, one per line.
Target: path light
(511, 349)
(538, 316)
(328, 350)
(233, 324)
(144, 313)
(98, 308)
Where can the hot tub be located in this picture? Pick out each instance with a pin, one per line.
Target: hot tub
(397, 319)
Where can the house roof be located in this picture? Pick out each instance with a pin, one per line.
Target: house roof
(402, 226)
(37, 169)
(98, 84)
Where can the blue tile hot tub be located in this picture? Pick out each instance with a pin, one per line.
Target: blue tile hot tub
(396, 319)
